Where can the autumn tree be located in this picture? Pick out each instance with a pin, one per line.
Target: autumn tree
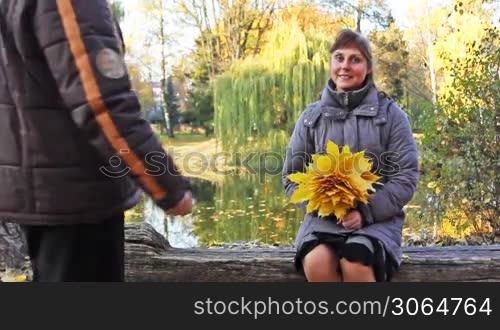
(140, 83)
(156, 11)
(172, 101)
(197, 72)
(142, 87)
(228, 30)
(461, 145)
(367, 11)
(117, 10)
(391, 55)
(258, 101)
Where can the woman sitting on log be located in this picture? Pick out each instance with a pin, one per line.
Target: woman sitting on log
(366, 245)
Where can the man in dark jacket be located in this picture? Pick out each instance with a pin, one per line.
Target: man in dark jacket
(74, 146)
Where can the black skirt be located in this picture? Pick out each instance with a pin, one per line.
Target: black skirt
(383, 265)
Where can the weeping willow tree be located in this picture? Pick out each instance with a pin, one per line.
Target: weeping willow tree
(258, 100)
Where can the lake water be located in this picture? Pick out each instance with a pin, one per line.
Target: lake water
(243, 208)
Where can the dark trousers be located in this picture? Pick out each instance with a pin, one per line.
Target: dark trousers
(77, 253)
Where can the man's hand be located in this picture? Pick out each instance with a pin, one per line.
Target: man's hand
(185, 206)
(353, 220)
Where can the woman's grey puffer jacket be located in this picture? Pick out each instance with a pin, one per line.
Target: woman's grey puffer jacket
(376, 125)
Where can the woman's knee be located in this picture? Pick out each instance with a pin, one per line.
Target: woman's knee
(356, 272)
(321, 265)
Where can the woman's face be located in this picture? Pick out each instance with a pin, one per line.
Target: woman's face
(349, 68)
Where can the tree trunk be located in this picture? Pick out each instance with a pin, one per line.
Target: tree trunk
(359, 14)
(432, 72)
(150, 258)
(163, 40)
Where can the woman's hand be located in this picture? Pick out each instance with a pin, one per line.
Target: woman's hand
(353, 220)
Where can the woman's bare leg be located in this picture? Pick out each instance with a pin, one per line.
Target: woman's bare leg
(356, 272)
(322, 265)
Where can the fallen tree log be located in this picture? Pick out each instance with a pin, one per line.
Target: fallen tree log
(13, 248)
(149, 257)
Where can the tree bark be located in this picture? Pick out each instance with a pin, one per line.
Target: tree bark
(150, 258)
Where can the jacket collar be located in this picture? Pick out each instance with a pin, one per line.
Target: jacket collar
(335, 104)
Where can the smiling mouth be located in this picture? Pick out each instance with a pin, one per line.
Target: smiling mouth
(344, 77)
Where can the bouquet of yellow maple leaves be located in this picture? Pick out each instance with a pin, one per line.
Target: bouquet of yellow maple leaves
(334, 182)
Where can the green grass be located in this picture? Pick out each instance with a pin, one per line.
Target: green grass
(182, 138)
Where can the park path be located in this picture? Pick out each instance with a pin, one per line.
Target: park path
(199, 159)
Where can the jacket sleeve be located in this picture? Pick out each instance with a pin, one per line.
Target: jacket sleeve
(401, 175)
(79, 44)
(298, 154)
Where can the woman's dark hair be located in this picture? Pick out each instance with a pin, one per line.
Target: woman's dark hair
(348, 36)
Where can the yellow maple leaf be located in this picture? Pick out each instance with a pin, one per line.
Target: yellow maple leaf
(334, 182)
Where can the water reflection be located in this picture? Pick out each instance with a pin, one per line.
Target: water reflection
(178, 230)
(241, 209)
(246, 209)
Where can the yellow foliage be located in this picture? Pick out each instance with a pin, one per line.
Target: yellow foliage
(11, 275)
(311, 18)
(334, 182)
(456, 225)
